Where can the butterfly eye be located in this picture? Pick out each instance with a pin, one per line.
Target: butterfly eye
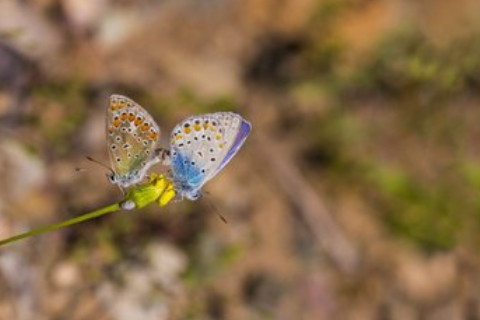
(111, 178)
(193, 196)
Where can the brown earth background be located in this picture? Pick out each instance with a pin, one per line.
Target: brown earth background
(357, 196)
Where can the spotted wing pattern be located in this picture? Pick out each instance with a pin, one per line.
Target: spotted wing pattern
(132, 138)
(202, 145)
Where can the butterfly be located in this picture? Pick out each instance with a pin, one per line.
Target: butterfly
(132, 140)
(201, 146)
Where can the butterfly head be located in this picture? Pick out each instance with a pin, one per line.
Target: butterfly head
(111, 177)
(193, 195)
(188, 193)
(124, 181)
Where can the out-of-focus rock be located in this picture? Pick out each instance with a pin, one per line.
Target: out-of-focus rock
(21, 278)
(84, 15)
(93, 132)
(66, 275)
(29, 31)
(15, 69)
(22, 176)
(117, 26)
(167, 263)
(21, 172)
(147, 291)
(427, 280)
(16, 74)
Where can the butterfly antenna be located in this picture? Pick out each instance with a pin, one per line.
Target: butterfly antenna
(215, 209)
(98, 162)
(221, 217)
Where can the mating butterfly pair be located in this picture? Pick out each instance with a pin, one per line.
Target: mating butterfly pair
(200, 146)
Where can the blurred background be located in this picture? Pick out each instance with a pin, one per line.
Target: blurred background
(357, 196)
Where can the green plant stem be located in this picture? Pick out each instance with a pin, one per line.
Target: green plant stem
(84, 217)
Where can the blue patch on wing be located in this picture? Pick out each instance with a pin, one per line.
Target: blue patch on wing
(187, 177)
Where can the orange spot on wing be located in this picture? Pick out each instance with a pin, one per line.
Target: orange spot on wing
(218, 137)
(117, 122)
(117, 106)
(187, 130)
(138, 121)
(145, 126)
(131, 117)
(197, 127)
(153, 135)
(123, 116)
(177, 137)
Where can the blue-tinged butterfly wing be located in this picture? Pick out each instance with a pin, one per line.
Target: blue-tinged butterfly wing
(202, 145)
(242, 129)
(132, 138)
